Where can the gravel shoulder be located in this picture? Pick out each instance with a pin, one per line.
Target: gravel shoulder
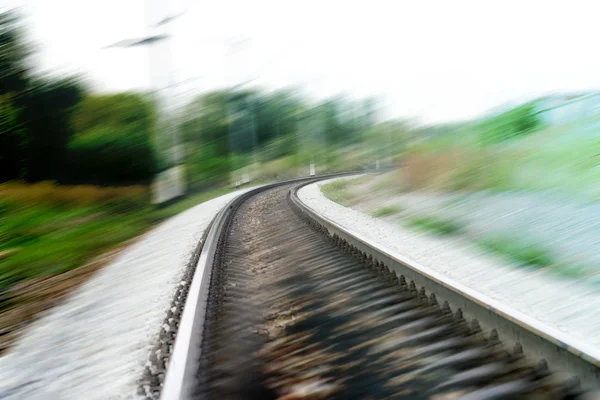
(569, 305)
(96, 344)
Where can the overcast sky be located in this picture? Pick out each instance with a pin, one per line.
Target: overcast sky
(434, 60)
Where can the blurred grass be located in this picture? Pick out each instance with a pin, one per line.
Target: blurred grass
(47, 229)
(386, 211)
(571, 271)
(564, 158)
(338, 191)
(434, 224)
(519, 251)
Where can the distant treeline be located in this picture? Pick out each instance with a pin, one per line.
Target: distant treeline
(53, 128)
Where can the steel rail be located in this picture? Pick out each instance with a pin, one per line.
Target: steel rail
(180, 377)
(537, 340)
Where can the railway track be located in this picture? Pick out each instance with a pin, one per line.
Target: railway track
(284, 307)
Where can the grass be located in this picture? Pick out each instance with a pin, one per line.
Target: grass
(337, 191)
(434, 224)
(569, 271)
(46, 229)
(388, 182)
(562, 158)
(519, 251)
(386, 211)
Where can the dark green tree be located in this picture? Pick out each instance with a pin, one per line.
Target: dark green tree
(49, 108)
(113, 142)
(35, 112)
(13, 140)
(14, 53)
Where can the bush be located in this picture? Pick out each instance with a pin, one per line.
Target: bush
(338, 191)
(49, 107)
(13, 140)
(110, 155)
(386, 211)
(517, 122)
(437, 225)
(461, 168)
(205, 170)
(519, 251)
(113, 143)
(65, 196)
(133, 111)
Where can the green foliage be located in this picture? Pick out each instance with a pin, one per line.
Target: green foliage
(61, 134)
(206, 169)
(39, 118)
(50, 104)
(562, 158)
(51, 228)
(113, 144)
(517, 122)
(8, 115)
(386, 211)
(276, 117)
(485, 155)
(13, 140)
(278, 148)
(110, 155)
(206, 122)
(35, 112)
(14, 53)
(480, 170)
(572, 271)
(338, 191)
(278, 125)
(131, 111)
(279, 169)
(46, 229)
(389, 138)
(519, 251)
(435, 224)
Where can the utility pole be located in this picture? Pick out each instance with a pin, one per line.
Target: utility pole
(169, 183)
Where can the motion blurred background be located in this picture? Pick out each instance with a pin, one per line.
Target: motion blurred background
(116, 115)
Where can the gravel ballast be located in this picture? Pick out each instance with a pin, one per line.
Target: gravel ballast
(567, 305)
(96, 344)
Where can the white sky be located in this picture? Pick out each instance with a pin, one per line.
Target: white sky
(435, 60)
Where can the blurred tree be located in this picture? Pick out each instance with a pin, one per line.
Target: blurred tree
(133, 111)
(110, 155)
(13, 140)
(14, 53)
(205, 121)
(49, 107)
(519, 121)
(204, 131)
(113, 141)
(221, 129)
(35, 113)
(276, 116)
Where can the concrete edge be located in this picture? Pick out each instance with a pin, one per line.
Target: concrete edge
(539, 341)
